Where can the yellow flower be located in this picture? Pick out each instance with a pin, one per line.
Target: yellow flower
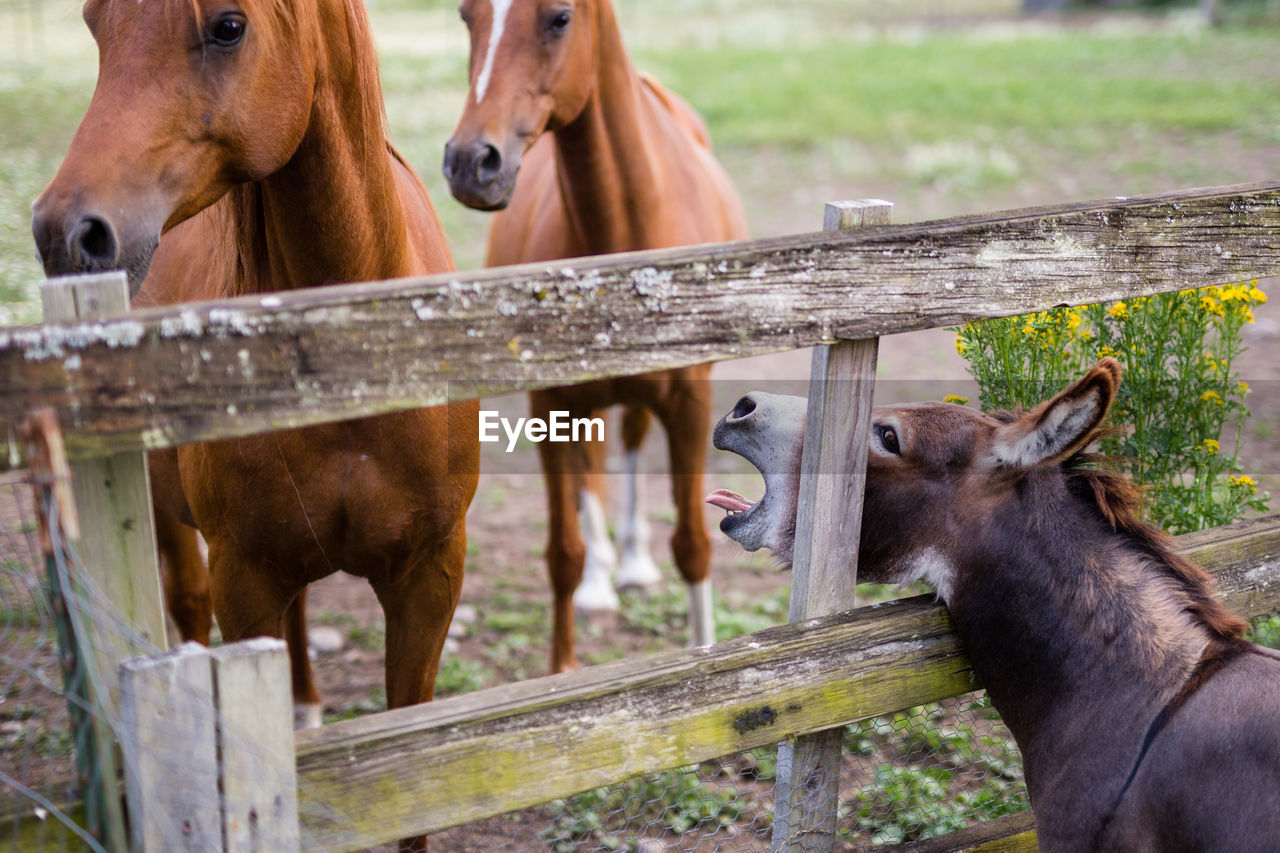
(1244, 481)
(1120, 311)
(1242, 388)
(1255, 294)
(1211, 397)
(1210, 446)
(1073, 319)
(957, 399)
(960, 346)
(1104, 351)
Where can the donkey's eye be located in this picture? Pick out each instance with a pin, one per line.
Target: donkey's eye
(888, 439)
(559, 22)
(228, 30)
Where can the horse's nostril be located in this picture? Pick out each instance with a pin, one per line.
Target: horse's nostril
(93, 244)
(742, 408)
(489, 163)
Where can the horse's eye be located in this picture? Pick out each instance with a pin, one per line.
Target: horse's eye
(888, 439)
(559, 22)
(228, 30)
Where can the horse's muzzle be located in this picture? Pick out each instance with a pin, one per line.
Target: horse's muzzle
(72, 240)
(478, 175)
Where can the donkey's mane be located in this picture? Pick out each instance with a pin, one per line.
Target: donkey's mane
(1119, 501)
(1097, 480)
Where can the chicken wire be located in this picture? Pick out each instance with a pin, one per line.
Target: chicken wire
(38, 775)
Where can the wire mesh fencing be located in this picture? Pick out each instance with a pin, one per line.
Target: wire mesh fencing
(40, 783)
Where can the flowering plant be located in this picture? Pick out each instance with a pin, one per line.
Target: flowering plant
(1180, 408)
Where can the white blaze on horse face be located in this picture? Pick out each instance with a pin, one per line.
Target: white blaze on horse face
(500, 10)
(931, 566)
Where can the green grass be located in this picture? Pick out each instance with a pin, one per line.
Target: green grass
(972, 116)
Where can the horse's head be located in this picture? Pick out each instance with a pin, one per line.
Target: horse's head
(193, 97)
(934, 471)
(533, 67)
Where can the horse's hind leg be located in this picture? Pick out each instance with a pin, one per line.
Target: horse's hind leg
(595, 591)
(686, 416)
(186, 579)
(636, 567)
(307, 710)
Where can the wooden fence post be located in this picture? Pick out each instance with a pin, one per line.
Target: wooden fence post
(828, 523)
(255, 741)
(113, 496)
(208, 741)
(168, 733)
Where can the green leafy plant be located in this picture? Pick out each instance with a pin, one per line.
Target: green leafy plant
(1180, 408)
(676, 800)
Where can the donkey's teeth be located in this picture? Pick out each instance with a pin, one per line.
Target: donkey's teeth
(731, 502)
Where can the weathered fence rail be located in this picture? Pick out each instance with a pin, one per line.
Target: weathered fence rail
(237, 367)
(460, 759)
(215, 370)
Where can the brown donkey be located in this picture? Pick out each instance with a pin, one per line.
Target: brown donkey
(232, 149)
(1144, 721)
(609, 161)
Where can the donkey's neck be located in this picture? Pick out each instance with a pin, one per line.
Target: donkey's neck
(332, 213)
(1090, 639)
(610, 174)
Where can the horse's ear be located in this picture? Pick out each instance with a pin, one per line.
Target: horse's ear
(1057, 428)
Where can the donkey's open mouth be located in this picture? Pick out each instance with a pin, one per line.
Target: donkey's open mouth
(768, 431)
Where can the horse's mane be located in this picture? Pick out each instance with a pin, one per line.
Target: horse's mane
(241, 215)
(1119, 501)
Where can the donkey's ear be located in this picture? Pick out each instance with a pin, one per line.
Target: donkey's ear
(1057, 428)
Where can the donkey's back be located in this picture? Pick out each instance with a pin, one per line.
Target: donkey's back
(1226, 734)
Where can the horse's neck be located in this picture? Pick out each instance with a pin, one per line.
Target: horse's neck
(332, 213)
(608, 163)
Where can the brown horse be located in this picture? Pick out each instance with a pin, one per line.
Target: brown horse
(610, 161)
(234, 149)
(1145, 722)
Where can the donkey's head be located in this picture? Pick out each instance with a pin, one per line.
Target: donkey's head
(934, 472)
(533, 66)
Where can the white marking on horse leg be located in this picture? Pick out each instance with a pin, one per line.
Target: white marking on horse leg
(307, 715)
(500, 10)
(931, 566)
(596, 590)
(702, 624)
(638, 567)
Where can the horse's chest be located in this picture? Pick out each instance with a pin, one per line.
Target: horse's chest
(330, 508)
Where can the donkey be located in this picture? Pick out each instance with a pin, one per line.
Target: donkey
(1144, 720)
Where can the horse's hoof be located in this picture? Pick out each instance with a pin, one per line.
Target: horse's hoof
(596, 593)
(307, 715)
(637, 569)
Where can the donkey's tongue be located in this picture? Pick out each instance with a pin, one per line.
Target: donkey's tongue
(727, 500)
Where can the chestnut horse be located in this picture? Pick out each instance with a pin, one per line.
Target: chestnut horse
(610, 161)
(1144, 721)
(233, 149)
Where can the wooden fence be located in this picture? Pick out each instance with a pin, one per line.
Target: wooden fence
(123, 384)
